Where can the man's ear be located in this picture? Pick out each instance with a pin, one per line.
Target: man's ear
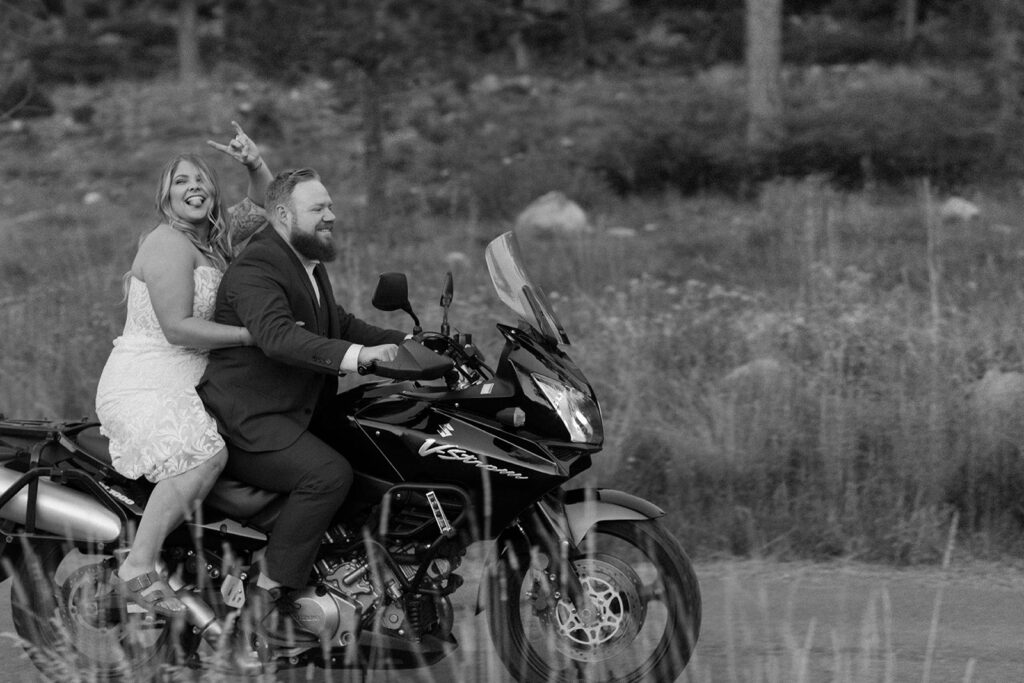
(282, 213)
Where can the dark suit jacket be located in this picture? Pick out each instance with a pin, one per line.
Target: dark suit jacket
(263, 396)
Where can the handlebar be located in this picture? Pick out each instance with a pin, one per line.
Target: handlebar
(413, 361)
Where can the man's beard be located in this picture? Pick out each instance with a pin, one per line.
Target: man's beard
(313, 247)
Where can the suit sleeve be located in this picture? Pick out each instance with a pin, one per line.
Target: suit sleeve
(361, 332)
(254, 289)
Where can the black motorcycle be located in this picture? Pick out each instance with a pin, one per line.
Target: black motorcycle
(579, 585)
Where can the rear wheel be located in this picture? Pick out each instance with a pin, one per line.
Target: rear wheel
(644, 621)
(65, 609)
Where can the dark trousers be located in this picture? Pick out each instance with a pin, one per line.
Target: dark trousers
(316, 478)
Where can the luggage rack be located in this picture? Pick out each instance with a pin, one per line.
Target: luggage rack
(47, 434)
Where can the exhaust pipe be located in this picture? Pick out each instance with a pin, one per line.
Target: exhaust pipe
(60, 510)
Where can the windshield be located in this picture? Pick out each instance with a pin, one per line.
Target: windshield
(517, 291)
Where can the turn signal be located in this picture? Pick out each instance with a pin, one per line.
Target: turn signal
(512, 417)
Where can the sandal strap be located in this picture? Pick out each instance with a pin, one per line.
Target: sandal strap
(142, 581)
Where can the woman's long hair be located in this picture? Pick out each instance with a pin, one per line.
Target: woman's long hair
(217, 248)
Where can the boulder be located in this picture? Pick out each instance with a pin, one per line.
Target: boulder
(958, 209)
(553, 214)
(998, 395)
(621, 232)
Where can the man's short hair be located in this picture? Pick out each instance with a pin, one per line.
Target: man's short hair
(279, 191)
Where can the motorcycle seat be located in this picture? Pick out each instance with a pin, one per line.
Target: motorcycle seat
(95, 444)
(229, 496)
(244, 502)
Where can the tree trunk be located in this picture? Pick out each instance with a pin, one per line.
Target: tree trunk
(373, 150)
(909, 21)
(1007, 22)
(519, 51)
(578, 10)
(764, 74)
(188, 41)
(75, 25)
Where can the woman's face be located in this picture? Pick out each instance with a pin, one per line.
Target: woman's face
(191, 193)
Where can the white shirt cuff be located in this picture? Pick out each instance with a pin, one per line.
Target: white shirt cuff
(350, 362)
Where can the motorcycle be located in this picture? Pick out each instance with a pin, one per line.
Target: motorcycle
(579, 584)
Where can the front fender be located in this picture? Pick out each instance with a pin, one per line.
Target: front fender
(586, 507)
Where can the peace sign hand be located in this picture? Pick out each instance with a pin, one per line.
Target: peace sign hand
(241, 148)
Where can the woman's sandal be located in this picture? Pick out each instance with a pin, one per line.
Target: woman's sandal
(150, 592)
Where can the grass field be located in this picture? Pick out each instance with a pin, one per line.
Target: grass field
(797, 374)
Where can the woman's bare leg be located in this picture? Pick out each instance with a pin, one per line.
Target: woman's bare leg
(169, 504)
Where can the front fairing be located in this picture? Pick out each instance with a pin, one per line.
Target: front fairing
(554, 386)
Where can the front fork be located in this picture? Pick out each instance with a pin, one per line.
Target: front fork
(551, 559)
(555, 527)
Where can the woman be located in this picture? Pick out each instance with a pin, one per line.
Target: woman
(146, 399)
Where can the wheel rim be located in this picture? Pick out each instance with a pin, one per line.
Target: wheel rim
(100, 629)
(618, 612)
(64, 605)
(643, 631)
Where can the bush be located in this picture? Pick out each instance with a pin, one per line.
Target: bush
(851, 125)
(824, 41)
(890, 128)
(76, 61)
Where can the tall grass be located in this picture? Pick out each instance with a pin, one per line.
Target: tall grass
(792, 375)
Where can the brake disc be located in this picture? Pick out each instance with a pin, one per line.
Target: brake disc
(619, 613)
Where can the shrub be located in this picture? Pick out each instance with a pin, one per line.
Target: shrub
(889, 130)
(76, 61)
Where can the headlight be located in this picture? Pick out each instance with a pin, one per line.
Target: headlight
(579, 413)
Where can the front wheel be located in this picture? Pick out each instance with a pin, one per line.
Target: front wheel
(63, 609)
(646, 610)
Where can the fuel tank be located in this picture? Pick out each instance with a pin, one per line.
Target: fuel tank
(62, 511)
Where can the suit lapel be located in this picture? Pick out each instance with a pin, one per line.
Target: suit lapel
(328, 308)
(299, 272)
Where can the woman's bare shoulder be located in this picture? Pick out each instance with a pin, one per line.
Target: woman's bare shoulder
(165, 246)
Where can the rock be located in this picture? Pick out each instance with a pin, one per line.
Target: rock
(488, 85)
(456, 258)
(91, 198)
(999, 393)
(958, 209)
(552, 213)
(997, 403)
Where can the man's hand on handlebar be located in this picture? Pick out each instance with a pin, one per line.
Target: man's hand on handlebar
(370, 355)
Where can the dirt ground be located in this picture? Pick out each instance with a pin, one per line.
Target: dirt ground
(782, 623)
(849, 622)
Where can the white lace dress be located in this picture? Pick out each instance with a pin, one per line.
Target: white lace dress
(146, 400)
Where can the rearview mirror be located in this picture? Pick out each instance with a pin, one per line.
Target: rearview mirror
(392, 294)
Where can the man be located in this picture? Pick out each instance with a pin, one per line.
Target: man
(265, 397)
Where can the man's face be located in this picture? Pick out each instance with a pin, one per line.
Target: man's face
(312, 222)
